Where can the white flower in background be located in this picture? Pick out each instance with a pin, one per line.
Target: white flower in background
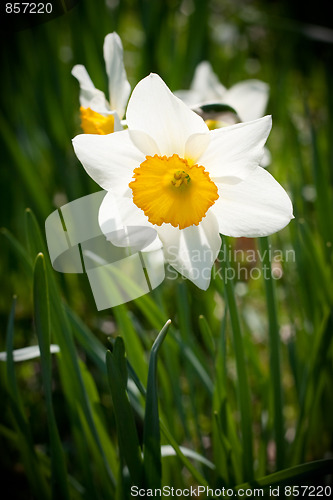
(98, 115)
(170, 173)
(248, 98)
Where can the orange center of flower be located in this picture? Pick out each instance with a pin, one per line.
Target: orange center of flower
(172, 190)
(95, 123)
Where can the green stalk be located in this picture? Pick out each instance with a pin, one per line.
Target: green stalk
(151, 430)
(274, 343)
(243, 385)
(42, 324)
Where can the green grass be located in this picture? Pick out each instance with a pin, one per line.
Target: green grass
(242, 388)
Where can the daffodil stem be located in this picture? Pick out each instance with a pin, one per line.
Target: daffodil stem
(274, 341)
(243, 385)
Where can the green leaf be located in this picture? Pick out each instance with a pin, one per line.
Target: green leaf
(10, 365)
(103, 429)
(128, 439)
(274, 344)
(25, 168)
(120, 360)
(207, 334)
(168, 451)
(20, 251)
(193, 366)
(26, 446)
(88, 341)
(151, 431)
(242, 382)
(42, 325)
(307, 471)
(196, 366)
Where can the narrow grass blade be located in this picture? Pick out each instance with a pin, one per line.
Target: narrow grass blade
(321, 175)
(223, 424)
(207, 334)
(192, 363)
(84, 336)
(321, 273)
(168, 451)
(274, 343)
(133, 347)
(183, 459)
(20, 251)
(195, 366)
(42, 325)
(25, 168)
(26, 446)
(227, 450)
(103, 430)
(242, 382)
(151, 433)
(128, 439)
(312, 385)
(10, 365)
(292, 475)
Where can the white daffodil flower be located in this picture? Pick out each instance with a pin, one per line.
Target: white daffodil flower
(98, 115)
(170, 173)
(248, 98)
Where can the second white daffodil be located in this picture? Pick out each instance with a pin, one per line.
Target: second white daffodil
(248, 98)
(98, 115)
(170, 173)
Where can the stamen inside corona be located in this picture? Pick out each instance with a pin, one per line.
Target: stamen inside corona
(172, 190)
(180, 178)
(95, 123)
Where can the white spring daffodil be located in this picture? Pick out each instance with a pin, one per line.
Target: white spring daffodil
(170, 173)
(98, 115)
(248, 98)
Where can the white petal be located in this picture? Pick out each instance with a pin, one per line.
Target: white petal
(258, 206)
(144, 142)
(109, 159)
(119, 87)
(123, 222)
(196, 145)
(206, 83)
(153, 109)
(235, 151)
(122, 211)
(193, 250)
(248, 98)
(90, 97)
(26, 353)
